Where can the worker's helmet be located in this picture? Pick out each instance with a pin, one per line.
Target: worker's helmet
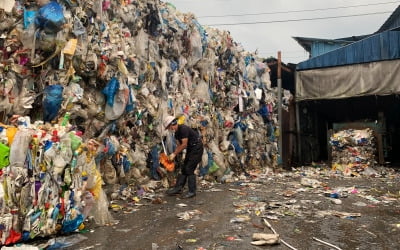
(169, 120)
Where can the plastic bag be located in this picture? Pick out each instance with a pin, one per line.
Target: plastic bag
(10, 133)
(266, 79)
(50, 17)
(65, 241)
(94, 181)
(170, 143)
(14, 237)
(251, 71)
(29, 17)
(66, 147)
(88, 202)
(76, 141)
(206, 162)
(213, 168)
(19, 148)
(121, 99)
(58, 164)
(4, 155)
(202, 91)
(109, 172)
(100, 211)
(196, 47)
(52, 99)
(71, 224)
(6, 222)
(140, 43)
(78, 28)
(169, 165)
(110, 90)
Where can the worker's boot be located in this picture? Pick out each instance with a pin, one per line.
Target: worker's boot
(192, 187)
(180, 182)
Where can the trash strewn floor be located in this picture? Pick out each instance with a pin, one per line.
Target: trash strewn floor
(309, 208)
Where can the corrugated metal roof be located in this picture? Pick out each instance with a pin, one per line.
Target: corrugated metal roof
(320, 48)
(306, 42)
(378, 47)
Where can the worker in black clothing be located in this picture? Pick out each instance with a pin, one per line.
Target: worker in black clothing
(189, 139)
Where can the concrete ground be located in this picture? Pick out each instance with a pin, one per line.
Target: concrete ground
(302, 206)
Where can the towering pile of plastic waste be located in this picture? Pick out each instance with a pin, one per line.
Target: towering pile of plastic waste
(84, 87)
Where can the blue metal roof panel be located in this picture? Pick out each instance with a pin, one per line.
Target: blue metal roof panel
(394, 48)
(349, 54)
(319, 48)
(379, 47)
(385, 47)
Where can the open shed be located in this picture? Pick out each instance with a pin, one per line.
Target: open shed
(354, 86)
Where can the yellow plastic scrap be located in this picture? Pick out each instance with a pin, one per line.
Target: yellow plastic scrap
(10, 133)
(5, 190)
(70, 46)
(181, 119)
(97, 187)
(84, 174)
(122, 68)
(191, 241)
(43, 167)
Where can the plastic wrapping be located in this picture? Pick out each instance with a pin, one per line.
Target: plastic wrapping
(64, 241)
(121, 98)
(29, 17)
(19, 147)
(111, 90)
(100, 211)
(50, 17)
(52, 99)
(4, 155)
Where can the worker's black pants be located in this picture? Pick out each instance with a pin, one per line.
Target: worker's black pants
(192, 159)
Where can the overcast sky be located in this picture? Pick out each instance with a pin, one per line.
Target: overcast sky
(270, 37)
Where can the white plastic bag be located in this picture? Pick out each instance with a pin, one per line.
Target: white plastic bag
(202, 92)
(19, 147)
(196, 47)
(121, 98)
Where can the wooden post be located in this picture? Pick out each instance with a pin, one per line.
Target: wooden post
(280, 159)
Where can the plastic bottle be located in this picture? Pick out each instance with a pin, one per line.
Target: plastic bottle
(55, 137)
(35, 141)
(65, 119)
(73, 162)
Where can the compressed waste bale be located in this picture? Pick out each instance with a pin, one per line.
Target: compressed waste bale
(353, 150)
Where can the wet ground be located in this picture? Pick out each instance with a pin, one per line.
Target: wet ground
(301, 206)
